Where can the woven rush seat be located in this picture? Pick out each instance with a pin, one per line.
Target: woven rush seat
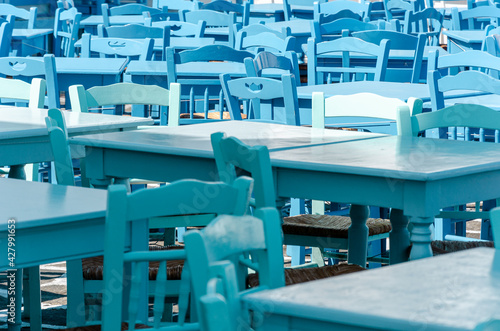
(93, 266)
(330, 226)
(297, 276)
(449, 246)
(124, 327)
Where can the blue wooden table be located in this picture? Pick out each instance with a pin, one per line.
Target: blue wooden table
(416, 175)
(90, 23)
(463, 40)
(32, 41)
(455, 291)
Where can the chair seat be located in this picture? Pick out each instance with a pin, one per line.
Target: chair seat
(297, 276)
(93, 266)
(98, 327)
(449, 246)
(214, 115)
(330, 226)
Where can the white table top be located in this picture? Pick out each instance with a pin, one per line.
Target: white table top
(186, 140)
(19, 122)
(450, 292)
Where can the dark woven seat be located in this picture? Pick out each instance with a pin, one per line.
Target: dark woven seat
(98, 327)
(329, 226)
(297, 276)
(449, 246)
(93, 266)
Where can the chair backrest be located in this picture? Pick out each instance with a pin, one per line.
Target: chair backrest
(25, 68)
(491, 44)
(66, 27)
(476, 18)
(320, 71)
(181, 29)
(291, 13)
(428, 21)
(366, 105)
(213, 19)
(260, 91)
(58, 137)
(272, 41)
(171, 8)
(335, 7)
(224, 6)
(234, 158)
(219, 248)
(5, 38)
(126, 93)
(128, 9)
(118, 47)
(473, 80)
(335, 29)
(33, 94)
(16, 12)
(396, 9)
(183, 199)
(266, 62)
(399, 41)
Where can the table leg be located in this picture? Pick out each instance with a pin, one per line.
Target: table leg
(358, 235)
(399, 236)
(421, 237)
(14, 321)
(17, 171)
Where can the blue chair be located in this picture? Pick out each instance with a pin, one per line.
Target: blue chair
(213, 19)
(66, 26)
(428, 21)
(396, 9)
(491, 44)
(180, 29)
(25, 68)
(12, 13)
(242, 11)
(399, 41)
(335, 7)
(473, 80)
(5, 38)
(118, 47)
(320, 70)
(299, 9)
(268, 64)
(259, 91)
(171, 8)
(230, 199)
(273, 41)
(201, 87)
(330, 30)
(128, 9)
(475, 19)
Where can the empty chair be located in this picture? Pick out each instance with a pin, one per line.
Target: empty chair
(272, 40)
(213, 19)
(475, 19)
(193, 70)
(242, 11)
(399, 41)
(259, 91)
(396, 9)
(329, 30)
(180, 29)
(66, 26)
(298, 9)
(171, 8)
(334, 7)
(428, 21)
(5, 38)
(12, 13)
(118, 47)
(269, 64)
(128, 9)
(96, 99)
(320, 68)
(491, 44)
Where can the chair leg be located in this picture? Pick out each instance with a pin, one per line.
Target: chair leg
(32, 298)
(75, 297)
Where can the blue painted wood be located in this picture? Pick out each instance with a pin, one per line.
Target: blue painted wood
(218, 271)
(134, 9)
(428, 21)
(213, 19)
(117, 47)
(171, 8)
(475, 18)
(298, 9)
(319, 72)
(11, 12)
(396, 9)
(323, 30)
(5, 38)
(66, 28)
(266, 63)
(362, 9)
(242, 11)
(257, 37)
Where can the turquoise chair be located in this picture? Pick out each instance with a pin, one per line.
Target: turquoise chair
(396, 9)
(185, 209)
(213, 19)
(242, 11)
(5, 38)
(266, 63)
(128, 9)
(320, 70)
(180, 29)
(299, 9)
(325, 30)
(128, 93)
(66, 27)
(219, 272)
(202, 88)
(12, 13)
(233, 158)
(475, 18)
(117, 47)
(362, 9)
(171, 8)
(428, 21)
(25, 68)
(254, 92)
(400, 41)
(257, 37)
